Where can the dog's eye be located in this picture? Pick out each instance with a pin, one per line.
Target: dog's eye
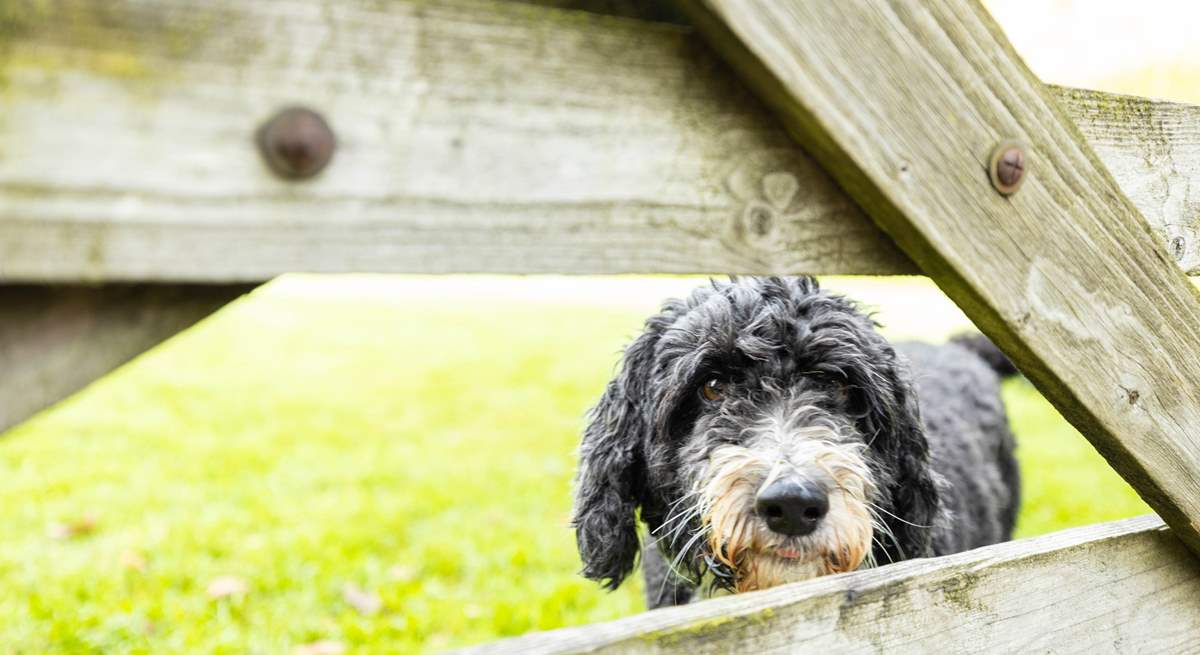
(835, 383)
(841, 390)
(713, 390)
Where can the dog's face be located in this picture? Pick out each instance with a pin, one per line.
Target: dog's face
(768, 435)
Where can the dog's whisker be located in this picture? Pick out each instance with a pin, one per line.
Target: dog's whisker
(684, 521)
(685, 497)
(676, 511)
(684, 551)
(678, 518)
(883, 548)
(869, 560)
(678, 530)
(915, 525)
(883, 528)
(878, 522)
(672, 570)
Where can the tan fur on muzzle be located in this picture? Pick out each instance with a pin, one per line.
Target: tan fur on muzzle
(738, 538)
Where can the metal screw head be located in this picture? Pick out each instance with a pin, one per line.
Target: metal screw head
(296, 143)
(1007, 166)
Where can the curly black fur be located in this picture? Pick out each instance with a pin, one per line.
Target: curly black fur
(943, 467)
(987, 351)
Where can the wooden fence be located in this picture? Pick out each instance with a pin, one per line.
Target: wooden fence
(614, 136)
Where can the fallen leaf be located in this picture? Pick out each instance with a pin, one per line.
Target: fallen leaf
(78, 527)
(403, 573)
(322, 647)
(366, 602)
(132, 560)
(226, 586)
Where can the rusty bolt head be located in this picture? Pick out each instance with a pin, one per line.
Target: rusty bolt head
(1007, 167)
(296, 143)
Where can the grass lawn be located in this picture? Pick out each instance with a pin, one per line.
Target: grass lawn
(378, 462)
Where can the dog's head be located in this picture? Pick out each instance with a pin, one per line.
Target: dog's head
(767, 434)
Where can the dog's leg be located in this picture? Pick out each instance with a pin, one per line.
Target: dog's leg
(663, 587)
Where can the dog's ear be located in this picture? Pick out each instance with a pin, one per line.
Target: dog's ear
(901, 437)
(612, 468)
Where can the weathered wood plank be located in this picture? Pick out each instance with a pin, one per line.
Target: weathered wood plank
(473, 136)
(649, 10)
(1152, 149)
(1123, 587)
(903, 102)
(54, 340)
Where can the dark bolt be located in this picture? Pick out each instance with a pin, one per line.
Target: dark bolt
(1178, 248)
(760, 220)
(296, 143)
(1007, 167)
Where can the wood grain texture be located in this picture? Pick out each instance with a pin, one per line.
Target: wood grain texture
(902, 102)
(1152, 149)
(54, 340)
(1123, 587)
(473, 136)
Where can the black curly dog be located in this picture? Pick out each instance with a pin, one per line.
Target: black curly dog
(766, 433)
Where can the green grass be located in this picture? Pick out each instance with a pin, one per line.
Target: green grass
(418, 445)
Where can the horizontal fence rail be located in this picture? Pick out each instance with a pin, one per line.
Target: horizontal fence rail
(470, 136)
(1126, 587)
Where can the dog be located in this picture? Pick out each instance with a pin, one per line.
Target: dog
(765, 433)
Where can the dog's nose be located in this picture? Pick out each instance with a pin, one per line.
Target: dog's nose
(791, 506)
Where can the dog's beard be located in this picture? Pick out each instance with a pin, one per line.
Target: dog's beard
(739, 540)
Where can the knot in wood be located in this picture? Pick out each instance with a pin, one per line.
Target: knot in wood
(1178, 248)
(1007, 166)
(296, 143)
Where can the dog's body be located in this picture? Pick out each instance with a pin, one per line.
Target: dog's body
(768, 434)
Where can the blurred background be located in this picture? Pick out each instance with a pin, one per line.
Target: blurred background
(383, 463)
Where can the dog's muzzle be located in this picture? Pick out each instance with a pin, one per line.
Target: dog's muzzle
(790, 503)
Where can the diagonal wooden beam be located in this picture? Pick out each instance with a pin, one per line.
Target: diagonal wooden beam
(54, 340)
(903, 102)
